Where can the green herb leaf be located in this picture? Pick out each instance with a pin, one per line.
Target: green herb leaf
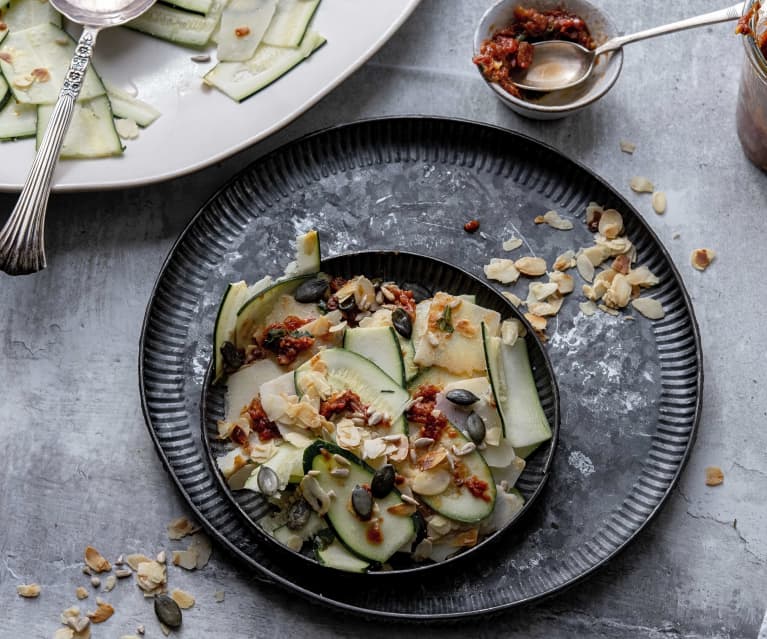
(445, 322)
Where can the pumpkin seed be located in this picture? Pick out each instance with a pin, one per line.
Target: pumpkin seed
(462, 397)
(311, 291)
(298, 514)
(167, 611)
(475, 428)
(362, 503)
(383, 481)
(401, 322)
(420, 293)
(268, 482)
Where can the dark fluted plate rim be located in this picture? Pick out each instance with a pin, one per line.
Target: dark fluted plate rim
(543, 373)
(440, 132)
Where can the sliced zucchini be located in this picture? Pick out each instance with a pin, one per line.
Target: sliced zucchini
(290, 22)
(255, 310)
(336, 555)
(91, 133)
(18, 121)
(457, 502)
(223, 331)
(245, 384)
(44, 46)
(380, 345)
(347, 370)
(240, 80)
(408, 358)
(178, 26)
(286, 463)
(524, 422)
(451, 337)
(289, 537)
(202, 7)
(434, 376)
(380, 537)
(243, 24)
(124, 105)
(5, 92)
(22, 14)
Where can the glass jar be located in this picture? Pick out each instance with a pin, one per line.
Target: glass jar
(751, 114)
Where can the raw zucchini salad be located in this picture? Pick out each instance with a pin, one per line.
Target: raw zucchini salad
(257, 41)
(373, 422)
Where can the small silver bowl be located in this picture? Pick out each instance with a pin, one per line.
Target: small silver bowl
(556, 104)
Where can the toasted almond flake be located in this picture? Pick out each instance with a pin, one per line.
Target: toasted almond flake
(701, 258)
(649, 307)
(96, 561)
(588, 308)
(180, 528)
(28, 591)
(537, 322)
(641, 184)
(432, 459)
(585, 267)
(598, 253)
(627, 147)
(621, 264)
(110, 583)
(23, 81)
(619, 293)
(565, 261)
(81, 593)
(186, 559)
(218, 596)
(593, 213)
(69, 616)
(714, 476)
(659, 202)
(540, 291)
(64, 633)
(607, 309)
(182, 598)
(103, 612)
(538, 219)
(135, 559)
(431, 482)
(514, 299)
(401, 510)
(531, 266)
(555, 221)
(546, 309)
(610, 224)
(501, 270)
(642, 276)
(511, 244)
(511, 331)
(565, 283)
(126, 128)
(151, 577)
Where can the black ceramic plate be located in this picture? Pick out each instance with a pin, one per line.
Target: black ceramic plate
(630, 390)
(430, 275)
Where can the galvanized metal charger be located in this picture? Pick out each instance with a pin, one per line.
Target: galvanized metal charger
(630, 389)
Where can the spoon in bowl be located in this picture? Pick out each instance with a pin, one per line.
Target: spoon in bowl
(561, 64)
(21, 239)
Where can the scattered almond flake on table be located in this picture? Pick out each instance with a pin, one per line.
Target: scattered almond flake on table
(181, 527)
(103, 611)
(627, 147)
(28, 591)
(531, 266)
(714, 476)
(565, 261)
(64, 633)
(565, 283)
(555, 221)
(511, 244)
(501, 270)
(151, 577)
(182, 598)
(659, 202)
(607, 309)
(641, 184)
(514, 299)
(585, 267)
(134, 560)
(81, 593)
(202, 546)
(649, 307)
(96, 561)
(218, 596)
(701, 258)
(588, 308)
(186, 559)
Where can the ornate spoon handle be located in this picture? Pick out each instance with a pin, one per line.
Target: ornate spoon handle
(21, 239)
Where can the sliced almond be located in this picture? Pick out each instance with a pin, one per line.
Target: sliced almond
(621, 264)
(501, 270)
(701, 258)
(588, 308)
(401, 510)
(151, 576)
(96, 561)
(619, 293)
(514, 299)
(28, 591)
(642, 276)
(714, 476)
(565, 283)
(610, 224)
(182, 598)
(81, 593)
(555, 221)
(531, 266)
(548, 308)
(511, 244)
(595, 254)
(641, 184)
(540, 291)
(607, 309)
(103, 612)
(627, 147)
(585, 267)
(649, 307)
(659, 202)
(135, 559)
(538, 323)
(431, 482)
(511, 331)
(180, 528)
(64, 633)
(565, 261)
(432, 459)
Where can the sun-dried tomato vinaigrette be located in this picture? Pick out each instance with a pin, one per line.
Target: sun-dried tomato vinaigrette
(511, 48)
(260, 423)
(423, 412)
(285, 340)
(345, 402)
(476, 486)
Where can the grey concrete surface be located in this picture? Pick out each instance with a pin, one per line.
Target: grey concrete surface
(78, 463)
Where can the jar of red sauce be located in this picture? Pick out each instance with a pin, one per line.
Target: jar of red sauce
(751, 114)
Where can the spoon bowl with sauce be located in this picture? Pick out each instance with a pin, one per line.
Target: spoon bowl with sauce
(21, 239)
(561, 64)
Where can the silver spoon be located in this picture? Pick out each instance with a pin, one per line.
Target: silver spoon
(560, 64)
(21, 239)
